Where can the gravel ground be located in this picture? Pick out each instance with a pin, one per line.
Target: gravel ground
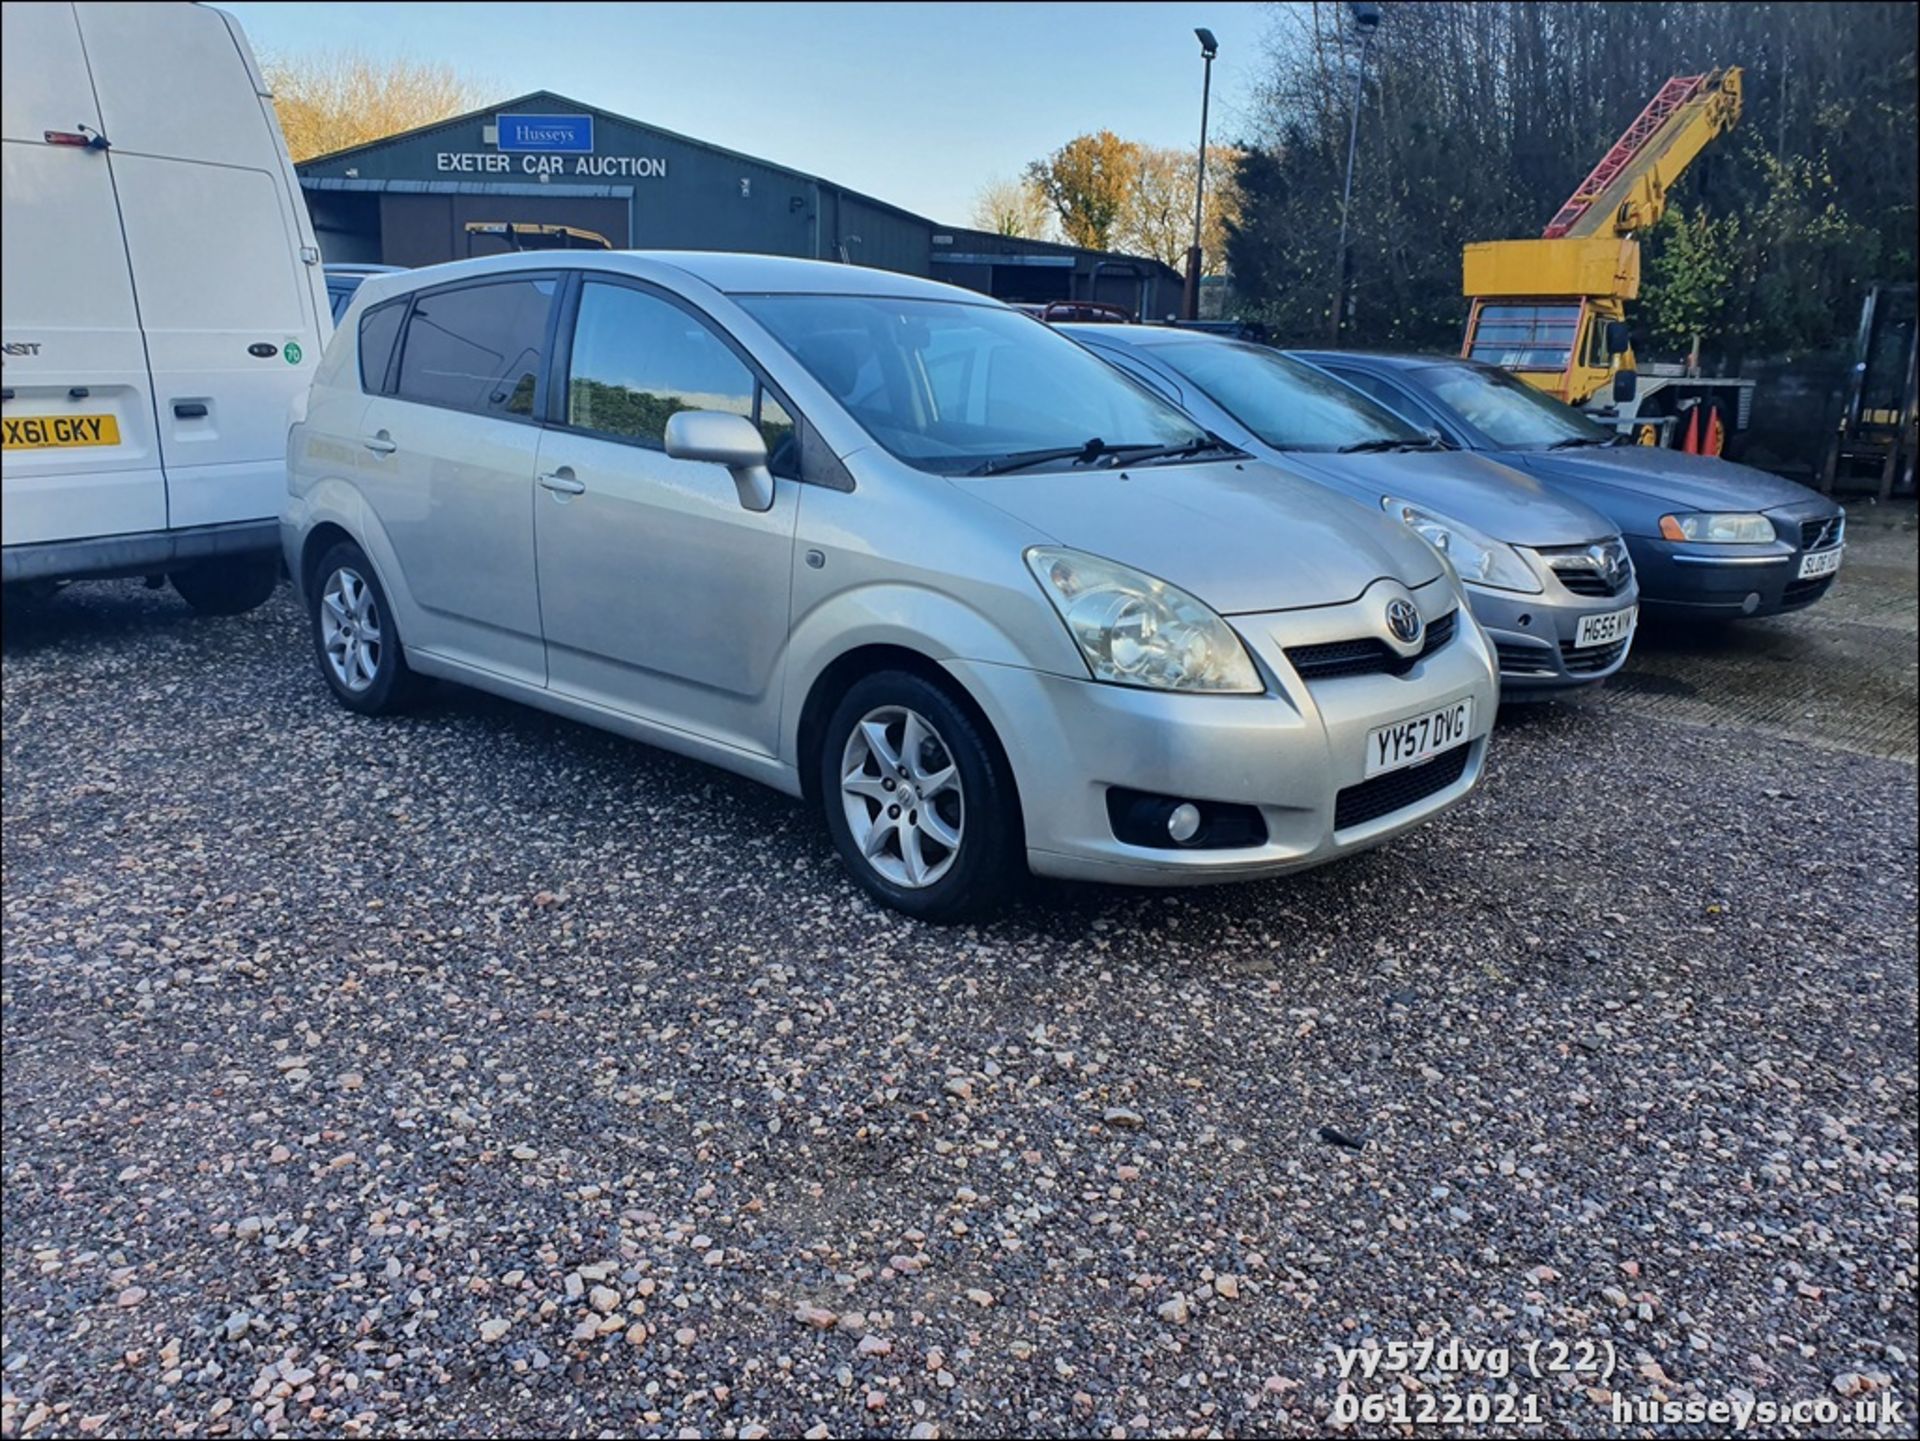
(481, 1073)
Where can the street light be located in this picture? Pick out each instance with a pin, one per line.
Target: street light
(1366, 20)
(1209, 47)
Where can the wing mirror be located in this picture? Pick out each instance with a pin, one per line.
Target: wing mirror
(722, 439)
(1626, 385)
(1619, 338)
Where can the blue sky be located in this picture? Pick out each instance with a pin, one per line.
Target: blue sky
(915, 104)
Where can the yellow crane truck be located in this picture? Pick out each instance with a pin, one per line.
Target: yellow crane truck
(1553, 310)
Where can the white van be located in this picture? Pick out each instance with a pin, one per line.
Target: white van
(163, 301)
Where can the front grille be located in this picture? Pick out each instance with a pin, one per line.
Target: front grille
(1582, 572)
(1523, 659)
(1368, 655)
(1593, 658)
(1819, 534)
(1805, 592)
(1383, 795)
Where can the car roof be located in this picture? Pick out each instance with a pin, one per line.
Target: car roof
(723, 270)
(1375, 359)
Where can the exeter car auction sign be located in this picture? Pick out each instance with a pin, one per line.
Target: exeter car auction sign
(544, 143)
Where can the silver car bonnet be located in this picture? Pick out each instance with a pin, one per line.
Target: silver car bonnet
(1494, 499)
(1241, 536)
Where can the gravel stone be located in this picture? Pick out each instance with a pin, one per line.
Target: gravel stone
(1662, 966)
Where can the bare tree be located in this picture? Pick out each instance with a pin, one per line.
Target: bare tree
(332, 100)
(1157, 219)
(1014, 207)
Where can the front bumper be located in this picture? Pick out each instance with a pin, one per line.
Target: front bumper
(1289, 753)
(1727, 582)
(1534, 637)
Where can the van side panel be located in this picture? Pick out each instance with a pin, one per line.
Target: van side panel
(69, 318)
(205, 301)
(232, 310)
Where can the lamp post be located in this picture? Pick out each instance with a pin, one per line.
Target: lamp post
(1209, 47)
(1366, 20)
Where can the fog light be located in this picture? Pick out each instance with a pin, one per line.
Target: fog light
(1184, 824)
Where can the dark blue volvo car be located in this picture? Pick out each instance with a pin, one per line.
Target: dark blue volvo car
(1709, 538)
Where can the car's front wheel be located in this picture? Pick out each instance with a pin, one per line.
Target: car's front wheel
(919, 800)
(355, 637)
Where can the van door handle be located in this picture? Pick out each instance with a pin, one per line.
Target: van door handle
(561, 482)
(190, 409)
(380, 444)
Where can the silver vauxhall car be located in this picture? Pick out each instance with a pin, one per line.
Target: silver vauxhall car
(1549, 578)
(884, 544)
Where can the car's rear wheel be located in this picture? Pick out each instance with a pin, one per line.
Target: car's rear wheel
(228, 584)
(919, 800)
(355, 637)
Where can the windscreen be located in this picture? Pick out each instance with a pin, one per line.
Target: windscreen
(1509, 412)
(1289, 405)
(1526, 337)
(954, 388)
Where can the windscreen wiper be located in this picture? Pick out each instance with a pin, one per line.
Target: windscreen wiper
(1577, 440)
(1199, 445)
(1384, 442)
(1021, 459)
(1090, 452)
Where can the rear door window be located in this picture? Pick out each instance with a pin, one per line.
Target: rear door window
(477, 348)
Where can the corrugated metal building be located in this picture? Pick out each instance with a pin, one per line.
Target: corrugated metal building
(543, 170)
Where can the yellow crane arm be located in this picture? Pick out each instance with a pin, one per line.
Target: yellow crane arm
(1627, 191)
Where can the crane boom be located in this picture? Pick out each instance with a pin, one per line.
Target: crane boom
(1553, 309)
(1627, 191)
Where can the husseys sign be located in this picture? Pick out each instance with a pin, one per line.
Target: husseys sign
(548, 145)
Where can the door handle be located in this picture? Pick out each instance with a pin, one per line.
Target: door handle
(380, 444)
(561, 482)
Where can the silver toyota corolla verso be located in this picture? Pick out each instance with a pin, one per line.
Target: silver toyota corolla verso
(882, 543)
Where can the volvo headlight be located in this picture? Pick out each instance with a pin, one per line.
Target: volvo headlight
(1136, 630)
(1477, 559)
(1718, 527)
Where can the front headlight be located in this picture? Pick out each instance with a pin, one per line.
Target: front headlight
(1477, 559)
(1718, 527)
(1135, 630)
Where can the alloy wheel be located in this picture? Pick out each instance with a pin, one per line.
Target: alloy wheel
(350, 630)
(903, 799)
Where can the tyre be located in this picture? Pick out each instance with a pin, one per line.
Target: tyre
(355, 638)
(228, 584)
(919, 800)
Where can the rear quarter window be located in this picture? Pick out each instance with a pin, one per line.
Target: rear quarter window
(379, 329)
(477, 347)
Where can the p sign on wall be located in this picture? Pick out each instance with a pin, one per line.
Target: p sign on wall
(554, 134)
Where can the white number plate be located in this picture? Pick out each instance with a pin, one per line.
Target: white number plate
(1605, 629)
(1418, 738)
(1820, 562)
